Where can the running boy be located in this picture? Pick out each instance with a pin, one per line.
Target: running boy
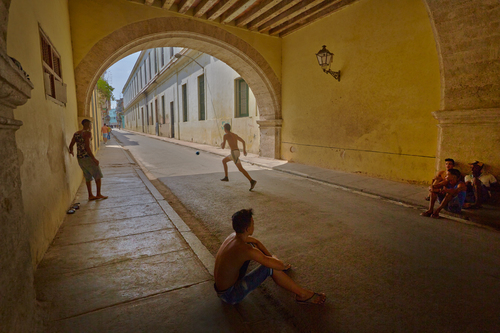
(232, 139)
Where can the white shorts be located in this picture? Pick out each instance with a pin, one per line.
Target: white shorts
(235, 156)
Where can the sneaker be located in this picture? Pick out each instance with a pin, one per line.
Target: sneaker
(252, 184)
(225, 179)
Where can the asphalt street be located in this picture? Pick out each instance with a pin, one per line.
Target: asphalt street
(383, 267)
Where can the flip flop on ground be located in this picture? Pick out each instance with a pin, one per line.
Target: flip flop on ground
(315, 299)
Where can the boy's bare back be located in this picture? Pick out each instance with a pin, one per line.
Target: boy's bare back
(230, 257)
(232, 140)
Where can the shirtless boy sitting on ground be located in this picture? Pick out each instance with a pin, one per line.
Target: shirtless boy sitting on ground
(232, 283)
(450, 193)
(232, 139)
(449, 163)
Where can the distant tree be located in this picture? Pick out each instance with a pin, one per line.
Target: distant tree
(105, 89)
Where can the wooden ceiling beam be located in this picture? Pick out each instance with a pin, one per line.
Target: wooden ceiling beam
(220, 8)
(256, 12)
(237, 10)
(332, 9)
(289, 14)
(166, 4)
(270, 14)
(185, 5)
(148, 2)
(302, 17)
(204, 7)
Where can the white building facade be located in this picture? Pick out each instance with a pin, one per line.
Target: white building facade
(189, 97)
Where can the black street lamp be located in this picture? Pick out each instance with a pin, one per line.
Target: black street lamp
(325, 59)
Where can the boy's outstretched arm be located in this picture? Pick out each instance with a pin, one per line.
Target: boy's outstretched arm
(268, 261)
(259, 245)
(244, 147)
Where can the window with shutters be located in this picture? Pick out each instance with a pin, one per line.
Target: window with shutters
(241, 98)
(52, 73)
(201, 97)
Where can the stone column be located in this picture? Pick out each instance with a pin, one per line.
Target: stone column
(469, 135)
(17, 300)
(270, 137)
(467, 44)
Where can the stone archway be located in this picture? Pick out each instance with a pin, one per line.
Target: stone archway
(469, 57)
(173, 31)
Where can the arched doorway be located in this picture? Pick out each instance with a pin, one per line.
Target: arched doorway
(168, 31)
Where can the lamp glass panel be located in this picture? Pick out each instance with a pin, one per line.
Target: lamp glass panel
(328, 57)
(320, 59)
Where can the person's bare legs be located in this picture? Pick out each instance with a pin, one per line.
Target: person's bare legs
(287, 283)
(443, 204)
(224, 163)
(98, 185)
(432, 202)
(243, 171)
(89, 190)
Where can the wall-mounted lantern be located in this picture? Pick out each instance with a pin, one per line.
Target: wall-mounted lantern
(325, 59)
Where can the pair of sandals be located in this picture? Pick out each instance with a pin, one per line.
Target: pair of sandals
(73, 208)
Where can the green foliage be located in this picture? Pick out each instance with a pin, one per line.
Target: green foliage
(105, 89)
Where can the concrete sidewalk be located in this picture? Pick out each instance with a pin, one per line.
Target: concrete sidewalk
(130, 264)
(396, 192)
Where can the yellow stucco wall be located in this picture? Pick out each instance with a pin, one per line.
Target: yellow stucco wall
(49, 176)
(92, 20)
(377, 120)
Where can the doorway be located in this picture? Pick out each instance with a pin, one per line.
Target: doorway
(172, 122)
(157, 118)
(142, 118)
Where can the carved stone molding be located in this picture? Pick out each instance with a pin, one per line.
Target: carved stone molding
(10, 123)
(475, 117)
(15, 88)
(270, 123)
(469, 135)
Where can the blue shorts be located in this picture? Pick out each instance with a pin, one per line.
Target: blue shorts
(455, 205)
(245, 285)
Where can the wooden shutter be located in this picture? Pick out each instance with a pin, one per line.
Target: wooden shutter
(201, 96)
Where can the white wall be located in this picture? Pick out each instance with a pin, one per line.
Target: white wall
(219, 86)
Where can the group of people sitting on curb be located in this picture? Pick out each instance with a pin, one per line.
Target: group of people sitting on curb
(454, 193)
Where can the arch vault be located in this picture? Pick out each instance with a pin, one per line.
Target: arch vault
(181, 32)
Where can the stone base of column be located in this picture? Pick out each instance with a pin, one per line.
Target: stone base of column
(270, 138)
(469, 135)
(18, 304)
